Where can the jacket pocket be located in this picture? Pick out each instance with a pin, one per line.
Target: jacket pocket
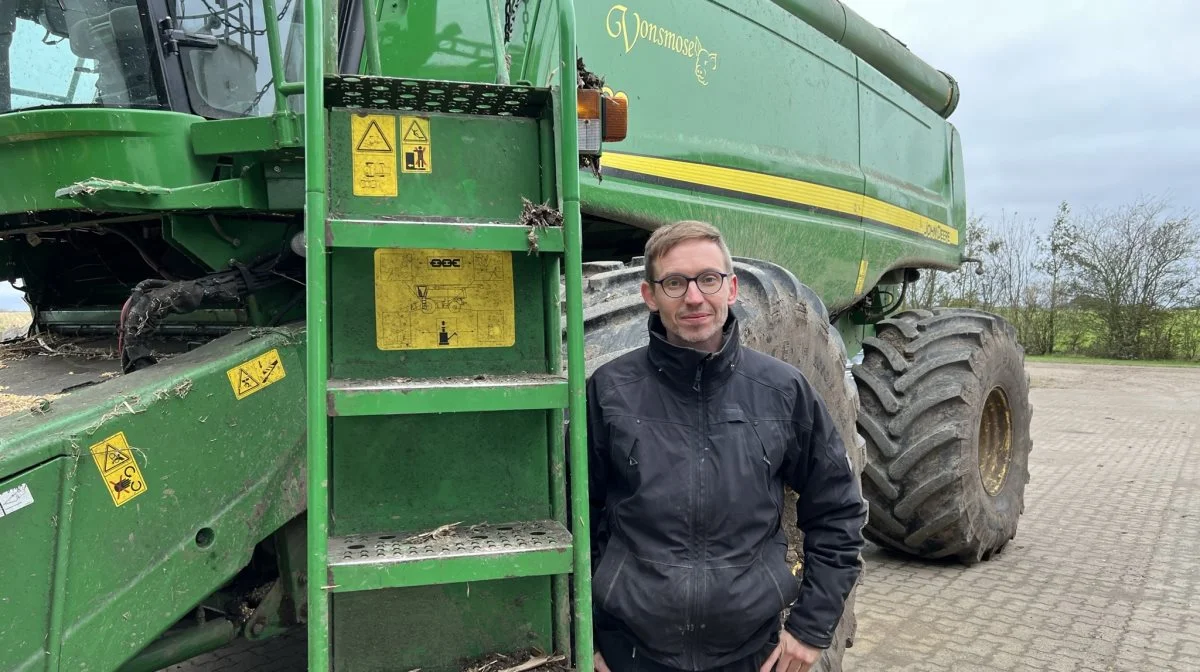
(786, 584)
(739, 602)
(771, 452)
(650, 599)
(608, 573)
(628, 455)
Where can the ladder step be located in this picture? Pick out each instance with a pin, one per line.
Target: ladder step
(442, 234)
(420, 95)
(403, 396)
(472, 553)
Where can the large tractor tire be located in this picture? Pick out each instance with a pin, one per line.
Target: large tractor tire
(779, 316)
(945, 414)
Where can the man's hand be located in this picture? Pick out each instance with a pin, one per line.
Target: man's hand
(791, 655)
(598, 663)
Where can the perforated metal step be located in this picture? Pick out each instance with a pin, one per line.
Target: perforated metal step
(418, 95)
(453, 555)
(402, 396)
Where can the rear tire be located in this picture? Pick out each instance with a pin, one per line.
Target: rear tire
(945, 414)
(778, 316)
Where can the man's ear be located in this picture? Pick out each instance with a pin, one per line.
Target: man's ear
(733, 289)
(648, 296)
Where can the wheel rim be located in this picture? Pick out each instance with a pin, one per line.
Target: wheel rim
(995, 441)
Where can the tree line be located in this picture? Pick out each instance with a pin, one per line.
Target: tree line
(1120, 283)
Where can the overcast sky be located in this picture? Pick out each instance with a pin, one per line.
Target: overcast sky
(1091, 102)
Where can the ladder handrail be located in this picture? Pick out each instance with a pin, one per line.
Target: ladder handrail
(496, 23)
(568, 158)
(315, 212)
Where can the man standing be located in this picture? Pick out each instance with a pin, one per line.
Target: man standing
(690, 442)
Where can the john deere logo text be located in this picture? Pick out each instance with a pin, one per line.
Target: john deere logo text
(631, 28)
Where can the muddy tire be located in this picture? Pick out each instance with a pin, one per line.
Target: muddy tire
(778, 316)
(945, 413)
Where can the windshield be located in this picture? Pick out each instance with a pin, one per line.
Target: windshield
(215, 56)
(231, 75)
(75, 52)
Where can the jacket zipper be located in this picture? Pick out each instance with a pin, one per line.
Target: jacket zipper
(697, 518)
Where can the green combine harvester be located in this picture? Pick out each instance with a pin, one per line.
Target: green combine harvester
(316, 288)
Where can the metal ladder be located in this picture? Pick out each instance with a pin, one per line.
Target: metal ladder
(438, 482)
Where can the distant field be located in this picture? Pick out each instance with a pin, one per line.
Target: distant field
(1070, 359)
(13, 318)
(12, 403)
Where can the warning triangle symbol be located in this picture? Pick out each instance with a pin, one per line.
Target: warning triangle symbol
(374, 140)
(113, 457)
(246, 382)
(415, 134)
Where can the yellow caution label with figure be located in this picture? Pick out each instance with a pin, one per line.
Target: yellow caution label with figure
(118, 468)
(417, 145)
(443, 299)
(373, 154)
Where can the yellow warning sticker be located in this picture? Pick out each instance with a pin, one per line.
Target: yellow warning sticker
(440, 299)
(122, 478)
(862, 277)
(254, 375)
(418, 155)
(373, 150)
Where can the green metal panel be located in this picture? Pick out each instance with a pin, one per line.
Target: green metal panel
(897, 132)
(421, 472)
(219, 476)
(30, 503)
(800, 182)
(214, 242)
(440, 628)
(56, 148)
(481, 168)
(248, 135)
(352, 320)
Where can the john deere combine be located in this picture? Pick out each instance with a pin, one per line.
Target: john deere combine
(316, 287)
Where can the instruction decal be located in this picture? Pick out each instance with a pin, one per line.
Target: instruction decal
(119, 469)
(443, 299)
(373, 152)
(418, 155)
(13, 500)
(254, 375)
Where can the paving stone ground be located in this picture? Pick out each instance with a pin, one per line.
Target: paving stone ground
(1104, 574)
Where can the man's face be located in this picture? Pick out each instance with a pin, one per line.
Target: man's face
(695, 319)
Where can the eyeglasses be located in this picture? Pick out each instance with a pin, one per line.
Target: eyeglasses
(676, 285)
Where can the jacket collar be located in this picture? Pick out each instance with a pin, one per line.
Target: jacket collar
(688, 368)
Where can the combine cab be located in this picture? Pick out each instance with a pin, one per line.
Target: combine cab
(316, 287)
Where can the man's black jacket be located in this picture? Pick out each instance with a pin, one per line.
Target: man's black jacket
(688, 455)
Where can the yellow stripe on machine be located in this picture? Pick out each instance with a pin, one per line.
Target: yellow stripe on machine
(783, 189)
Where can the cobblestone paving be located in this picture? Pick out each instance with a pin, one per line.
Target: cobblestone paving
(286, 653)
(1104, 573)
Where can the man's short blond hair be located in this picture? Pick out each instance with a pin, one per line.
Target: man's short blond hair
(667, 237)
